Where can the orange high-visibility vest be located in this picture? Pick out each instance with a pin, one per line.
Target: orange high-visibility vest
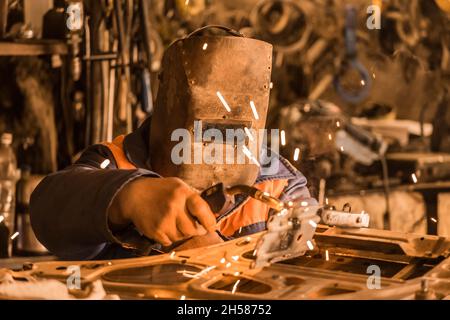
(248, 213)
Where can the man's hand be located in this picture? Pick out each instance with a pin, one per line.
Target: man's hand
(163, 209)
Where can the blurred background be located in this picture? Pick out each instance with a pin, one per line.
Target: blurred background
(360, 93)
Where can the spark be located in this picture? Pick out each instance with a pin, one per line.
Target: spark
(313, 224)
(271, 85)
(240, 230)
(2, 218)
(248, 239)
(172, 255)
(233, 291)
(183, 297)
(414, 177)
(296, 154)
(249, 134)
(363, 82)
(235, 258)
(304, 204)
(326, 201)
(224, 102)
(250, 155)
(290, 204)
(222, 260)
(255, 112)
(186, 2)
(205, 46)
(342, 149)
(105, 163)
(237, 273)
(196, 275)
(309, 244)
(330, 137)
(327, 255)
(283, 138)
(374, 76)
(255, 252)
(338, 124)
(15, 235)
(228, 265)
(434, 220)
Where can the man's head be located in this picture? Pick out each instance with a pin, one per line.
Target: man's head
(212, 88)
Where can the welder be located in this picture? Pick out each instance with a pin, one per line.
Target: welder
(131, 197)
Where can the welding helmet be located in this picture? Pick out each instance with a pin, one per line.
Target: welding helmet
(215, 89)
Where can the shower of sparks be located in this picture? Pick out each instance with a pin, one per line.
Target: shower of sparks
(434, 220)
(172, 255)
(2, 218)
(414, 177)
(338, 124)
(183, 297)
(104, 164)
(222, 260)
(228, 265)
(310, 245)
(224, 102)
(296, 154)
(233, 291)
(15, 235)
(342, 149)
(313, 224)
(283, 137)
(205, 46)
(255, 112)
(250, 155)
(196, 275)
(249, 134)
(235, 258)
(330, 137)
(327, 255)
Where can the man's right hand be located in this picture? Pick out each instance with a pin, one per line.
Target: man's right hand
(163, 209)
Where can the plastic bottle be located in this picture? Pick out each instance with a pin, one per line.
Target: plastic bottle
(8, 179)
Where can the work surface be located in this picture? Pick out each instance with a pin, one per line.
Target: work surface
(344, 264)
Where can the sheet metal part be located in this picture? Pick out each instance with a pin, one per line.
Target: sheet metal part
(335, 269)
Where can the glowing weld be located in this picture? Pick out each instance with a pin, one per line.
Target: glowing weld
(309, 244)
(283, 137)
(233, 291)
(249, 134)
(222, 99)
(255, 112)
(105, 164)
(296, 154)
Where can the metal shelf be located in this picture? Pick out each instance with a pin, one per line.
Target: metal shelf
(32, 48)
